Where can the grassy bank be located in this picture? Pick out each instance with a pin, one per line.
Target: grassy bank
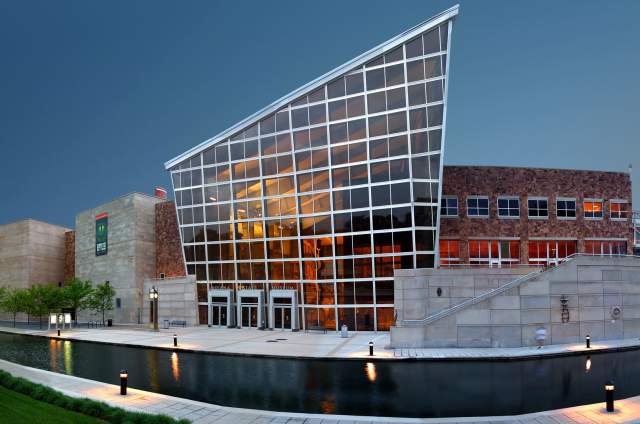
(24, 401)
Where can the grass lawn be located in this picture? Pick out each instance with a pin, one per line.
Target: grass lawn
(18, 408)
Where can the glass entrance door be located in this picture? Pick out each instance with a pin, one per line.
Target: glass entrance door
(249, 316)
(219, 315)
(282, 317)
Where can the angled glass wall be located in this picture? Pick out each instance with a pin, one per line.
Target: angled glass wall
(328, 195)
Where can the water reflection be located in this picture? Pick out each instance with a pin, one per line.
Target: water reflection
(152, 363)
(386, 388)
(175, 367)
(68, 357)
(371, 371)
(587, 364)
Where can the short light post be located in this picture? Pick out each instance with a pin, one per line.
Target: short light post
(153, 296)
(124, 376)
(371, 348)
(587, 340)
(175, 340)
(609, 388)
(58, 332)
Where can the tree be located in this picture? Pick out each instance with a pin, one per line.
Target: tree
(42, 300)
(76, 295)
(13, 302)
(101, 299)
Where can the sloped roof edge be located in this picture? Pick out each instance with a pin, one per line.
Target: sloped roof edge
(432, 22)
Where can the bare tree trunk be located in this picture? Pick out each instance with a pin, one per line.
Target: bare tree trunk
(14, 319)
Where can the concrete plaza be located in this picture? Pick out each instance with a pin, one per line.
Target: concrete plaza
(303, 345)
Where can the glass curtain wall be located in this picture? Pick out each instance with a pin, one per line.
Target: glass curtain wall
(329, 194)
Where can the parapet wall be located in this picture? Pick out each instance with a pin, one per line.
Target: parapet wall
(595, 287)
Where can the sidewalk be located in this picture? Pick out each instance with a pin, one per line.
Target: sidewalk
(627, 410)
(305, 345)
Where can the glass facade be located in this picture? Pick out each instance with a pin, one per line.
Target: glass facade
(327, 195)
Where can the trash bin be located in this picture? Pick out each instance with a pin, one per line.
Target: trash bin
(344, 331)
(165, 324)
(109, 322)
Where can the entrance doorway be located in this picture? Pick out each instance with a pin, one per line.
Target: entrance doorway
(283, 307)
(219, 315)
(249, 312)
(282, 317)
(250, 308)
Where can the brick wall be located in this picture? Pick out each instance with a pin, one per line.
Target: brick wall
(168, 247)
(69, 255)
(463, 181)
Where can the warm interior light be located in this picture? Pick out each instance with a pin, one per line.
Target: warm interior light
(213, 199)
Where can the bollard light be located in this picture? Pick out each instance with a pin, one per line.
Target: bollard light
(371, 348)
(175, 340)
(58, 332)
(609, 388)
(124, 376)
(588, 341)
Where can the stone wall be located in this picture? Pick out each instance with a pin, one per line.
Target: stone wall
(131, 256)
(69, 255)
(169, 259)
(176, 300)
(464, 181)
(31, 252)
(592, 285)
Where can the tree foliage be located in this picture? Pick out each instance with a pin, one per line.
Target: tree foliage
(101, 299)
(76, 295)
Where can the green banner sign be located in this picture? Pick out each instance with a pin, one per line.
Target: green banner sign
(102, 231)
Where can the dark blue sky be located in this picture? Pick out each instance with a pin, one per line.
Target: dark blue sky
(95, 97)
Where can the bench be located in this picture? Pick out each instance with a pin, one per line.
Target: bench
(178, 322)
(316, 328)
(94, 324)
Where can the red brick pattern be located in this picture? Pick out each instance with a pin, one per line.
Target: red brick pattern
(463, 181)
(168, 247)
(69, 255)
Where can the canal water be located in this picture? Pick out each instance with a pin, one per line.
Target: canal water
(399, 388)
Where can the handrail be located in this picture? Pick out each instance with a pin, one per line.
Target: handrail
(441, 314)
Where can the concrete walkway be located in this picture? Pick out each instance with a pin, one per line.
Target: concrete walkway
(627, 411)
(305, 345)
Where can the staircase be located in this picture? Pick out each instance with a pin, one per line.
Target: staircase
(470, 302)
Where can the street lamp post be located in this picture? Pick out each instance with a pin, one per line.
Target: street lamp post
(153, 296)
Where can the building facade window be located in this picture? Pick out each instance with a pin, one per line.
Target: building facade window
(550, 251)
(329, 194)
(593, 208)
(605, 247)
(449, 252)
(619, 210)
(566, 208)
(449, 206)
(478, 206)
(508, 207)
(538, 207)
(494, 252)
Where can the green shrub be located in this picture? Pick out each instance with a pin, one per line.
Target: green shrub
(84, 406)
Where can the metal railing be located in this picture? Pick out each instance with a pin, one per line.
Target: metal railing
(470, 302)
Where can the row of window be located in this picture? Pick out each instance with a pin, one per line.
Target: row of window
(540, 251)
(538, 207)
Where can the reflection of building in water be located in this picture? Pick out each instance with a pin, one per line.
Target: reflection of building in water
(370, 369)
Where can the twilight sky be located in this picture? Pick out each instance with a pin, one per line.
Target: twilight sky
(96, 96)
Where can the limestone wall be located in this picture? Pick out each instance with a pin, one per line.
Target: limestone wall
(176, 300)
(131, 252)
(31, 252)
(592, 286)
